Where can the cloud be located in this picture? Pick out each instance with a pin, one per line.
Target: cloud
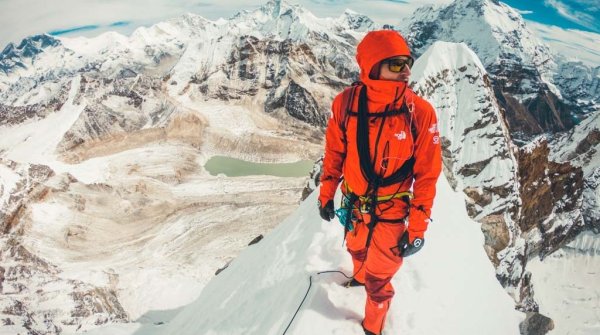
(87, 28)
(74, 29)
(592, 5)
(569, 12)
(572, 43)
(524, 12)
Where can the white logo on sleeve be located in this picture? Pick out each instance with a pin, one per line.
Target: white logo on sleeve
(434, 128)
(436, 140)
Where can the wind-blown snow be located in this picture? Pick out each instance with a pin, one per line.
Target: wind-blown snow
(448, 288)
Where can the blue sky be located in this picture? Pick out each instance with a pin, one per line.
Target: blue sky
(575, 14)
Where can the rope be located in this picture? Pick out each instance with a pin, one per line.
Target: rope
(299, 306)
(310, 285)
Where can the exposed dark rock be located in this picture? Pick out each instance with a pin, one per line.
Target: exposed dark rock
(497, 237)
(315, 179)
(536, 324)
(448, 162)
(474, 169)
(223, 268)
(300, 104)
(13, 115)
(591, 140)
(98, 301)
(2, 270)
(16, 308)
(546, 185)
(256, 240)
(534, 116)
(526, 303)
(29, 189)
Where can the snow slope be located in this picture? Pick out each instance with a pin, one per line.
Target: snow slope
(567, 288)
(449, 288)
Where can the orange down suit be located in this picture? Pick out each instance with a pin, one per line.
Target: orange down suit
(376, 266)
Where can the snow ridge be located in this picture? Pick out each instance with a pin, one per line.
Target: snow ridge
(276, 272)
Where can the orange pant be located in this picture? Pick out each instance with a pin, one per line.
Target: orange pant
(375, 267)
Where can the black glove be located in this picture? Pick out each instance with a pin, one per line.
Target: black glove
(326, 212)
(406, 248)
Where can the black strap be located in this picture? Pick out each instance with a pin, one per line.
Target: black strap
(362, 138)
(403, 109)
(402, 220)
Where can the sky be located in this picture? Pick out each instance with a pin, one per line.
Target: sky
(21, 18)
(576, 14)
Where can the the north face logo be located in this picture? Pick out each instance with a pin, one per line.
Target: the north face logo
(401, 135)
(434, 128)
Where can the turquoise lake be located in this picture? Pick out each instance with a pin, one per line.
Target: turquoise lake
(233, 167)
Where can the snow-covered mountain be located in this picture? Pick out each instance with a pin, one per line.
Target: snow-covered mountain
(523, 71)
(109, 136)
(279, 56)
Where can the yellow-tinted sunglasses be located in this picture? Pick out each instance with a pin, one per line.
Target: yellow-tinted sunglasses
(397, 64)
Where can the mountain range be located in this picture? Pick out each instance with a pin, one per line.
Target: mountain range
(107, 212)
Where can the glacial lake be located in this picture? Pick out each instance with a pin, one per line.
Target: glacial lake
(233, 167)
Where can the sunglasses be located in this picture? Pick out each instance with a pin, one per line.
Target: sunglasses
(397, 64)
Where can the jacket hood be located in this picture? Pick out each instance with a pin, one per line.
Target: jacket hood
(375, 47)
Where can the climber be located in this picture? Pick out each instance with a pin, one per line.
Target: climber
(384, 140)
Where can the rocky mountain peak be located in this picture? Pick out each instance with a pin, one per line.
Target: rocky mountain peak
(501, 31)
(277, 8)
(356, 21)
(521, 68)
(29, 47)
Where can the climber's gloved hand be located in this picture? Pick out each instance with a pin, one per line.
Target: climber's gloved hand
(414, 237)
(409, 245)
(327, 212)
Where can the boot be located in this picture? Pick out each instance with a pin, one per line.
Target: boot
(352, 283)
(366, 331)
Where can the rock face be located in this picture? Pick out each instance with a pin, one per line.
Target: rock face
(548, 189)
(281, 66)
(20, 185)
(581, 147)
(26, 279)
(536, 324)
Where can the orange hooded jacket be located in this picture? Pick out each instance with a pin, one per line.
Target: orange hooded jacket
(341, 158)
